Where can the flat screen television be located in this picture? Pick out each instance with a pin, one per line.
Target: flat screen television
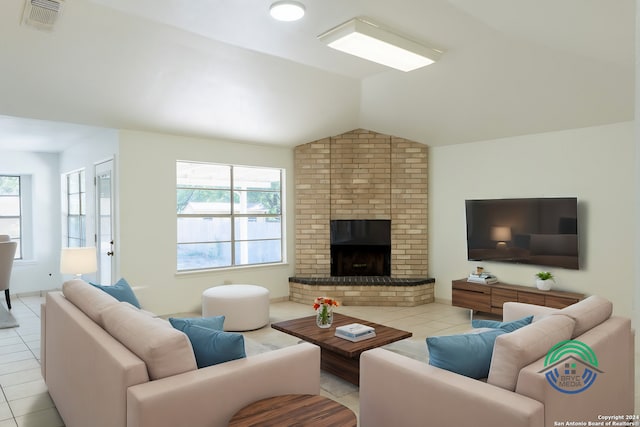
(536, 231)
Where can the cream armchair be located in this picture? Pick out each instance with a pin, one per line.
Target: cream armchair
(7, 253)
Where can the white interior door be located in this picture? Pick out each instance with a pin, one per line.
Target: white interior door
(105, 223)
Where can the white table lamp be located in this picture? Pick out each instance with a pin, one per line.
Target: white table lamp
(78, 261)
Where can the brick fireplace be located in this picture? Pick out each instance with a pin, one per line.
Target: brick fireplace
(362, 175)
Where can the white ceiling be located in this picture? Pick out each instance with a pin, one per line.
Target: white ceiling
(225, 69)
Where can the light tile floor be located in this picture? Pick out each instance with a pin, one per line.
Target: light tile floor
(24, 401)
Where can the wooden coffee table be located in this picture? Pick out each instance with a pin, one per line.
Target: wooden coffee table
(294, 410)
(339, 356)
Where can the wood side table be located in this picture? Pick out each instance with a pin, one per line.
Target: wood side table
(294, 410)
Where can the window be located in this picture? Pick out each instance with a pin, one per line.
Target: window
(228, 215)
(11, 210)
(76, 209)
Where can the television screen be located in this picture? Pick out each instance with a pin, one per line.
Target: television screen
(540, 231)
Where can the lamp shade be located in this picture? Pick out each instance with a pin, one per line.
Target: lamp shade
(501, 233)
(78, 260)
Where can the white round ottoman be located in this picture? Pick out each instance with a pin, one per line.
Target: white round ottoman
(245, 307)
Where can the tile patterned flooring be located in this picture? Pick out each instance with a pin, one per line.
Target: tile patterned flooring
(24, 401)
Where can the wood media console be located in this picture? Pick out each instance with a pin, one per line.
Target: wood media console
(490, 298)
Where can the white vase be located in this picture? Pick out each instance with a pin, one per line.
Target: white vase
(544, 285)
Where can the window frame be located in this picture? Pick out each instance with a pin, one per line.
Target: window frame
(24, 251)
(232, 216)
(81, 193)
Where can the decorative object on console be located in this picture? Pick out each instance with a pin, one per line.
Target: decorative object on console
(324, 311)
(544, 280)
(78, 261)
(355, 332)
(485, 278)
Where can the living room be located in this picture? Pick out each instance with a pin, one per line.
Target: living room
(594, 160)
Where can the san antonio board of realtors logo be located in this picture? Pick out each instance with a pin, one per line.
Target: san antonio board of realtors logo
(571, 367)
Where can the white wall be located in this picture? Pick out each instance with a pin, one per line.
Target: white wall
(595, 164)
(147, 170)
(40, 271)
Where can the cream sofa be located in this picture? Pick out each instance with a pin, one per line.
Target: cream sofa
(151, 380)
(396, 390)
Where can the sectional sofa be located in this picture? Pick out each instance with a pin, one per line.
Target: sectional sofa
(109, 364)
(396, 390)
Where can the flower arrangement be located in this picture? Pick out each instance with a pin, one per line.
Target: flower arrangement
(324, 307)
(325, 302)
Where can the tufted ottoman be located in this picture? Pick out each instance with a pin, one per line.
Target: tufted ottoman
(245, 307)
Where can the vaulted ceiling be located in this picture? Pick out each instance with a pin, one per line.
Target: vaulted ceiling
(226, 69)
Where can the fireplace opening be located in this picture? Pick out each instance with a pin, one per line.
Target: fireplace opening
(361, 247)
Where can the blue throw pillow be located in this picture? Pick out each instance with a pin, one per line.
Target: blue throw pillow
(465, 354)
(505, 326)
(120, 291)
(211, 346)
(215, 322)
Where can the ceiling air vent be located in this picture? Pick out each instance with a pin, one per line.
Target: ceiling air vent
(42, 14)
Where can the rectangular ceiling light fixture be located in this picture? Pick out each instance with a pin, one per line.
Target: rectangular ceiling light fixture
(365, 39)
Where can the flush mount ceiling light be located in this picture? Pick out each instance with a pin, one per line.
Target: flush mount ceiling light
(365, 39)
(287, 10)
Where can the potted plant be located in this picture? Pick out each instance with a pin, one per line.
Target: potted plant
(544, 280)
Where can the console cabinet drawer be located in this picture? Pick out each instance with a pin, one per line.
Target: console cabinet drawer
(559, 302)
(531, 298)
(474, 300)
(500, 296)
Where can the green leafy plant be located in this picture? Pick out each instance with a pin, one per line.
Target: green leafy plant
(544, 275)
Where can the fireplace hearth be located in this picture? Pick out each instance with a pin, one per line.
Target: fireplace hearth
(364, 290)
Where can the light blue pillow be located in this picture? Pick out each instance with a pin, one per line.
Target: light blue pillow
(215, 322)
(505, 326)
(211, 346)
(465, 354)
(120, 291)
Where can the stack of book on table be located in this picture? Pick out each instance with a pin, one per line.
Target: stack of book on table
(355, 332)
(485, 278)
